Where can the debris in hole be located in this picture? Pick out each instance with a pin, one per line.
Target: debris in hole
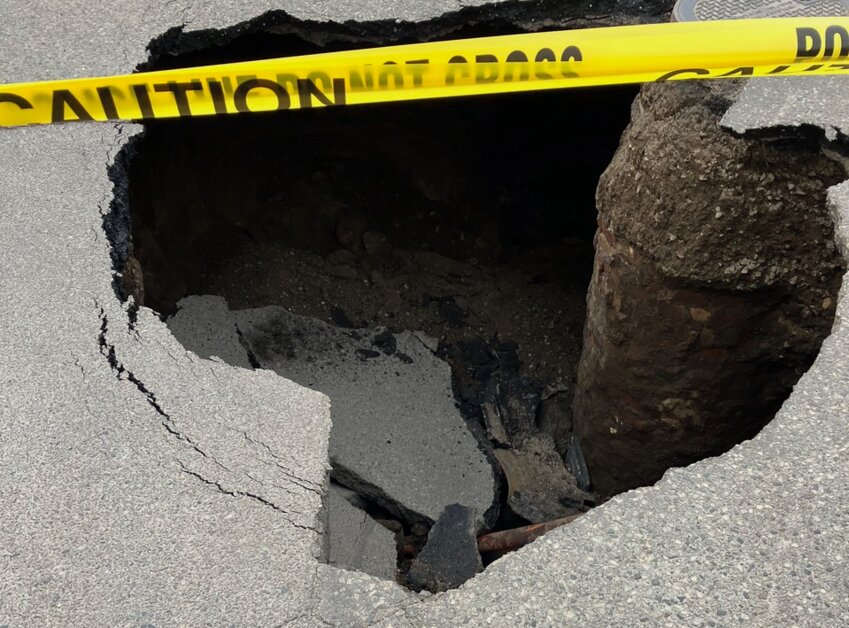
(326, 358)
(397, 438)
(386, 224)
(354, 540)
(539, 485)
(450, 556)
(422, 238)
(554, 415)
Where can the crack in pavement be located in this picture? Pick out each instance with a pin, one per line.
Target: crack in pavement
(287, 473)
(253, 496)
(107, 350)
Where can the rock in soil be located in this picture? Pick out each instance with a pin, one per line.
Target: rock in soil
(398, 438)
(356, 541)
(539, 487)
(450, 557)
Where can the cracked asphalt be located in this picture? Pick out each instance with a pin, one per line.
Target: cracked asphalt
(142, 485)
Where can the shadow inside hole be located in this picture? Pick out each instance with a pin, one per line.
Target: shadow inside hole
(473, 179)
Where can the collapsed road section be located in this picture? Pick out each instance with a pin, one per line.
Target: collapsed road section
(427, 267)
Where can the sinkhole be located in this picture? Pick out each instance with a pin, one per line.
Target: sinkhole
(427, 265)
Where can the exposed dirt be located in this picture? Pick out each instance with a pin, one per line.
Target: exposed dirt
(414, 290)
(715, 283)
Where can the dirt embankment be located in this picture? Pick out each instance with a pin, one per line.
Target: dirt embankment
(714, 285)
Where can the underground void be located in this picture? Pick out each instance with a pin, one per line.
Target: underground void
(427, 266)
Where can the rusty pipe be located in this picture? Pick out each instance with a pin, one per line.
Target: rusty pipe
(509, 540)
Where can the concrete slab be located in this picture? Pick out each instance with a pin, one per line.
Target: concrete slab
(356, 541)
(398, 437)
(433, 461)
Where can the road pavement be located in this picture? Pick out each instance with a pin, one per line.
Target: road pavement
(142, 485)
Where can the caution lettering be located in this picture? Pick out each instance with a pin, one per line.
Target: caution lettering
(812, 44)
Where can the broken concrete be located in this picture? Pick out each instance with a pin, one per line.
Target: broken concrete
(205, 325)
(539, 486)
(398, 438)
(450, 557)
(356, 541)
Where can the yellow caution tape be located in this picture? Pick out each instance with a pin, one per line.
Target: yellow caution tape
(487, 65)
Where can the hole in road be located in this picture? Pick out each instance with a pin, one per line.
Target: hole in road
(424, 264)
(449, 224)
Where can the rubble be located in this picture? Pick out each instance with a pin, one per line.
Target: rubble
(450, 556)
(397, 435)
(539, 486)
(354, 540)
